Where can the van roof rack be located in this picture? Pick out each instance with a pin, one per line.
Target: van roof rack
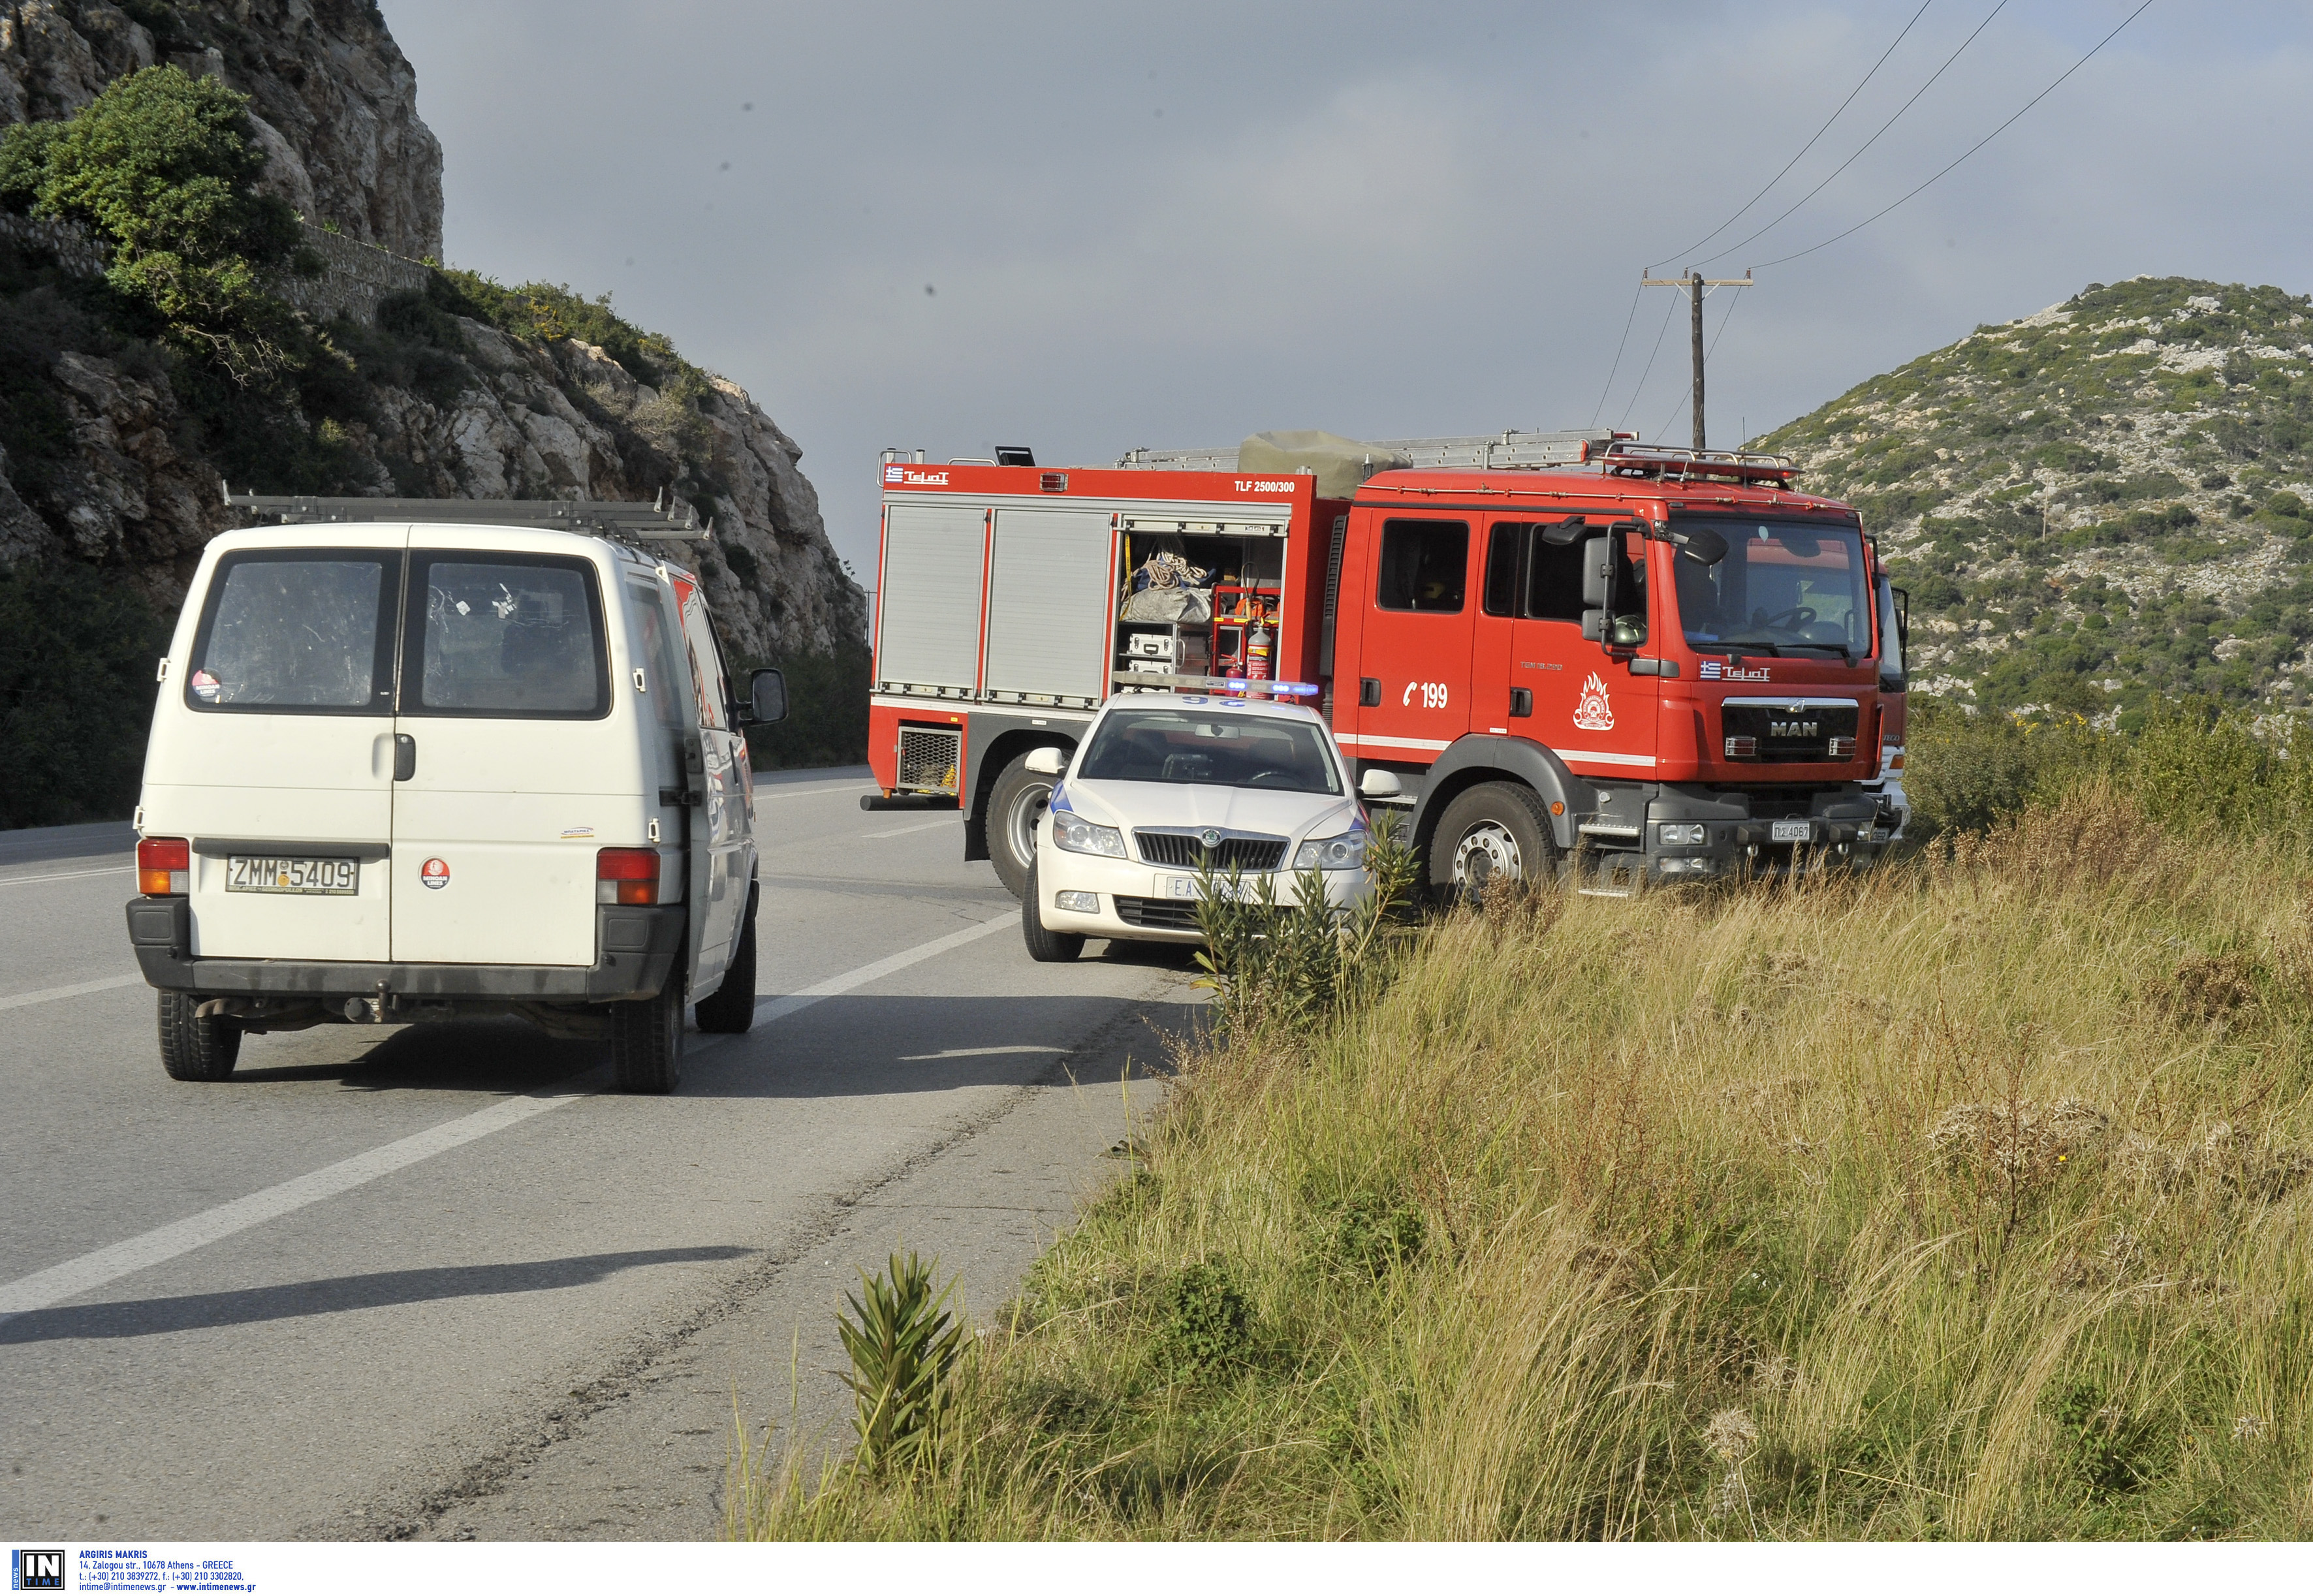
(1698, 465)
(1511, 449)
(661, 519)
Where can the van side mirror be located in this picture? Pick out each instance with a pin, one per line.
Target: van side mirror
(767, 697)
(1380, 784)
(1046, 761)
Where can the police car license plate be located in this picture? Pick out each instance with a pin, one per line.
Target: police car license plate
(1185, 886)
(1792, 831)
(248, 873)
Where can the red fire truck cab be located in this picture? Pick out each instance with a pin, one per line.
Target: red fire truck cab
(1572, 653)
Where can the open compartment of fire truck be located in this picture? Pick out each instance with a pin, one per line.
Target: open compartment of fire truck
(1199, 598)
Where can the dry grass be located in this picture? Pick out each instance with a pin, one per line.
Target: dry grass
(1966, 1199)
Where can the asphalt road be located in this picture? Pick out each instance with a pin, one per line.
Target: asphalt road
(439, 1281)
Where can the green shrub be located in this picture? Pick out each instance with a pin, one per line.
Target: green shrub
(904, 1345)
(1208, 1323)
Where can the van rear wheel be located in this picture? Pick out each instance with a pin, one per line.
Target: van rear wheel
(1014, 808)
(194, 1047)
(647, 1041)
(1496, 831)
(731, 1009)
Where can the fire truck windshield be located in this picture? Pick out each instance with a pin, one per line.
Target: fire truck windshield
(1218, 748)
(1783, 588)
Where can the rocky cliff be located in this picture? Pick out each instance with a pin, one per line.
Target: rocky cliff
(2103, 500)
(112, 445)
(335, 104)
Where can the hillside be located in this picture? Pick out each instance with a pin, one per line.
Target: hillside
(2097, 503)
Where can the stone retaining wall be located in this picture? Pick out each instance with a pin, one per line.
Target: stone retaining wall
(76, 249)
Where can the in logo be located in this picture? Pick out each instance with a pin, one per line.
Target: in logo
(36, 1570)
(1594, 713)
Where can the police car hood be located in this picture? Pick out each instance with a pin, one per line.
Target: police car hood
(1190, 806)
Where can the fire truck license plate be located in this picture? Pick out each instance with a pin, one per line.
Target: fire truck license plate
(246, 874)
(1185, 886)
(1792, 831)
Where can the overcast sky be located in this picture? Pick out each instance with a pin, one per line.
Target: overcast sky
(1088, 227)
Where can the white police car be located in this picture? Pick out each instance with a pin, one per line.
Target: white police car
(1166, 782)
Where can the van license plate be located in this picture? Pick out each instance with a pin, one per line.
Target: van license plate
(1228, 891)
(246, 874)
(1792, 831)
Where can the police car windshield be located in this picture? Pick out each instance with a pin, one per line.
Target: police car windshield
(1782, 588)
(1225, 747)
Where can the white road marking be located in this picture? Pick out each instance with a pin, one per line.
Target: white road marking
(776, 1008)
(69, 875)
(973, 1053)
(92, 1270)
(26, 999)
(948, 819)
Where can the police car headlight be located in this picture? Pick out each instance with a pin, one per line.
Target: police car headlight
(1681, 837)
(1345, 851)
(1079, 836)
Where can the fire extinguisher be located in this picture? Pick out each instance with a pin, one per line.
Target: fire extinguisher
(1257, 651)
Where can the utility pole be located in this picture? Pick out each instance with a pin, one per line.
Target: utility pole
(1694, 283)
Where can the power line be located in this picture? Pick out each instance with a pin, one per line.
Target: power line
(1867, 142)
(1979, 142)
(1794, 160)
(1617, 366)
(1641, 388)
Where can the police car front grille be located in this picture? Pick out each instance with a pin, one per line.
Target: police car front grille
(1185, 850)
(1156, 914)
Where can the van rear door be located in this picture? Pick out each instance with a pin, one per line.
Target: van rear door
(519, 760)
(274, 752)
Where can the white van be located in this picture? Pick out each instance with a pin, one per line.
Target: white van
(404, 766)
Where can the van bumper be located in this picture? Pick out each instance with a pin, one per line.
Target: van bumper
(636, 952)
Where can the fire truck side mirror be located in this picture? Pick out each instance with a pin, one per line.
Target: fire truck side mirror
(1593, 626)
(1597, 573)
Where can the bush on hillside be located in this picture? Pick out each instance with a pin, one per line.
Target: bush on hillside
(77, 651)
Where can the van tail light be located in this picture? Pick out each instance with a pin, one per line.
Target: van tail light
(626, 875)
(164, 866)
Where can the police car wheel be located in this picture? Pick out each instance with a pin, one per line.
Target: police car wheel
(1496, 831)
(1046, 947)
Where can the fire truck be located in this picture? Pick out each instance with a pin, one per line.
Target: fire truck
(1570, 652)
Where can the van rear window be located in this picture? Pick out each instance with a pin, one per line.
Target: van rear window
(297, 631)
(514, 637)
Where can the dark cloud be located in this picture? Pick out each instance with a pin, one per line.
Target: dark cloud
(1365, 220)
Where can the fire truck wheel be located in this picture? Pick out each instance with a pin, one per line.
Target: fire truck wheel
(1046, 947)
(1014, 808)
(1495, 831)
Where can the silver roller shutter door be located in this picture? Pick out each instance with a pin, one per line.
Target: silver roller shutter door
(1049, 603)
(933, 556)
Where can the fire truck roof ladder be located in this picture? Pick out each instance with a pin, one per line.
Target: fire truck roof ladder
(658, 519)
(1492, 452)
(1691, 465)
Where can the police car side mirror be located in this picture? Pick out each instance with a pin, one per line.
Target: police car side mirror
(1047, 760)
(1379, 783)
(767, 697)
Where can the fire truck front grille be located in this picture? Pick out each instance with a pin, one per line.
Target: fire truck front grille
(1156, 914)
(1185, 850)
(929, 758)
(1790, 733)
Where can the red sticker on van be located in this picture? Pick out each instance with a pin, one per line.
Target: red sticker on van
(435, 874)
